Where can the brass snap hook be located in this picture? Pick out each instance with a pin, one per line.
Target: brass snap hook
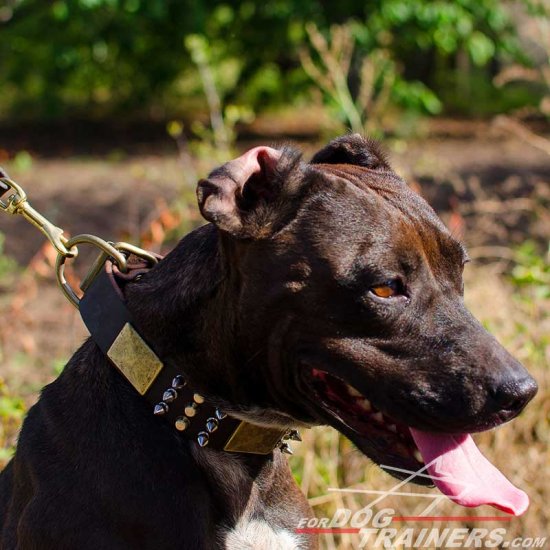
(17, 203)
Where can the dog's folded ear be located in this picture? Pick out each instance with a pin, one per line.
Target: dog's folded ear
(353, 149)
(235, 195)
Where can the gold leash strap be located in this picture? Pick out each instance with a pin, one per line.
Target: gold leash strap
(17, 203)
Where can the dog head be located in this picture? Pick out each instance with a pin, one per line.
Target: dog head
(350, 302)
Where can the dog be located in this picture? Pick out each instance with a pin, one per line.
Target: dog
(321, 292)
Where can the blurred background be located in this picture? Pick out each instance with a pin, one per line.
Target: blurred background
(110, 110)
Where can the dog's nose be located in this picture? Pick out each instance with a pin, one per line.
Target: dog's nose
(512, 394)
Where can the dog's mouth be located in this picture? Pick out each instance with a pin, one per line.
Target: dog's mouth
(347, 405)
(450, 461)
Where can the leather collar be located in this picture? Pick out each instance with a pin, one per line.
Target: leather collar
(105, 314)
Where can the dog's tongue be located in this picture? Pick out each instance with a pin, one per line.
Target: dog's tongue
(463, 474)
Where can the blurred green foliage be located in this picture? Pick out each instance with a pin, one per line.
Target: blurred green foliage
(98, 57)
(22, 161)
(531, 277)
(12, 410)
(8, 266)
(532, 271)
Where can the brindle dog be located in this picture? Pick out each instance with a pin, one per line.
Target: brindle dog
(321, 293)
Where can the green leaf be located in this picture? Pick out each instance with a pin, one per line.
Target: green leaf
(60, 11)
(480, 47)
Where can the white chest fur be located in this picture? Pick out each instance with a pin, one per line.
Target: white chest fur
(258, 535)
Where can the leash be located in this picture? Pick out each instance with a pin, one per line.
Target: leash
(104, 311)
(17, 203)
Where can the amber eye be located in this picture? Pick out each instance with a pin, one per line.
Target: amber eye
(387, 290)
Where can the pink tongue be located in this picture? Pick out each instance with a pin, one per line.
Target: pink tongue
(463, 474)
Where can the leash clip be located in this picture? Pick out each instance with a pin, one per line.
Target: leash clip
(17, 203)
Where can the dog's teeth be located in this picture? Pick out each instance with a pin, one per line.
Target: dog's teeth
(365, 405)
(392, 428)
(418, 456)
(352, 391)
(379, 417)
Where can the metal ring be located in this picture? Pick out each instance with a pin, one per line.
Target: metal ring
(132, 249)
(105, 246)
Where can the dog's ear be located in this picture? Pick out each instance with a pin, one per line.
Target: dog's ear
(352, 149)
(230, 193)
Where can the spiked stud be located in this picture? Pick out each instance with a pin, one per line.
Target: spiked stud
(220, 415)
(285, 448)
(182, 423)
(212, 424)
(178, 382)
(198, 398)
(202, 439)
(169, 395)
(293, 435)
(160, 409)
(190, 410)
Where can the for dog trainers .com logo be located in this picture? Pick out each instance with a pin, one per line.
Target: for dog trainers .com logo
(381, 527)
(376, 530)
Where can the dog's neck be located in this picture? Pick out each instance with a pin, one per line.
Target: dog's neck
(182, 310)
(185, 308)
(94, 395)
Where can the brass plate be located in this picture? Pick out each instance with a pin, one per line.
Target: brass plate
(249, 438)
(135, 359)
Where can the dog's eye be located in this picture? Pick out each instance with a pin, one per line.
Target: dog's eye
(387, 290)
